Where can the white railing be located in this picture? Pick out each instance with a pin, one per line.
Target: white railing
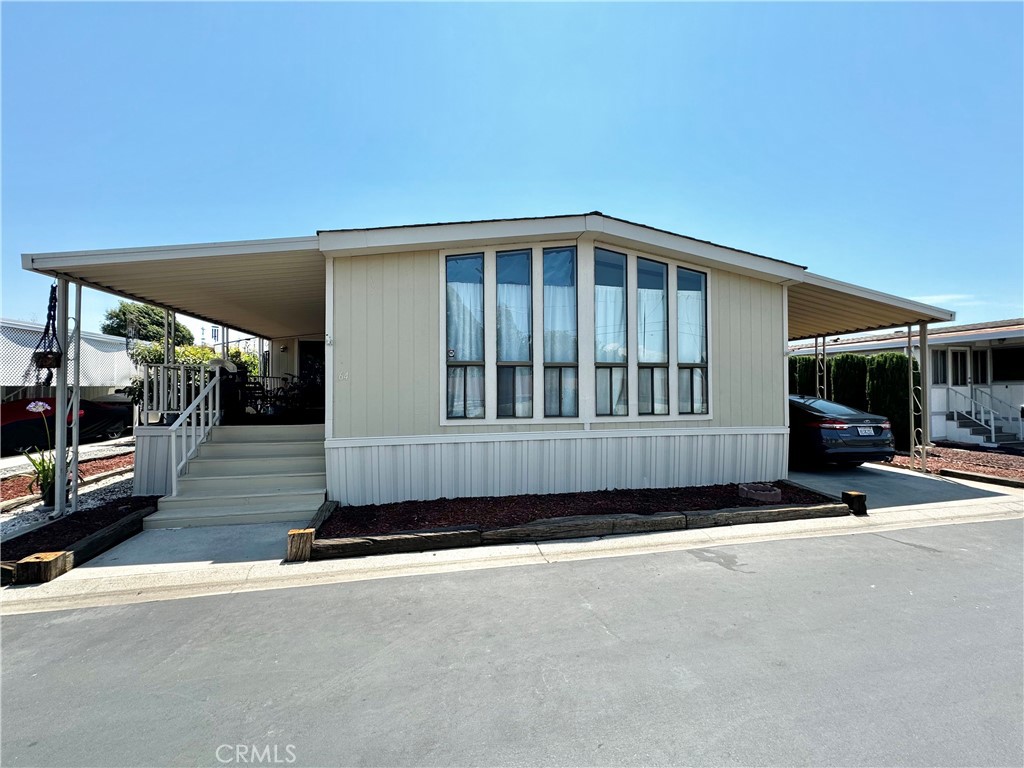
(195, 423)
(960, 403)
(1003, 411)
(168, 388)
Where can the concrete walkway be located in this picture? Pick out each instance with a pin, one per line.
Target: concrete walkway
(178, 563)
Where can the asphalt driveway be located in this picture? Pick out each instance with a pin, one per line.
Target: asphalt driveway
(893, 487)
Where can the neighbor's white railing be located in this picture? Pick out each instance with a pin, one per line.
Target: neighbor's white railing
(195, 423)
(1003, 411)
(168, 388)
(971, 408)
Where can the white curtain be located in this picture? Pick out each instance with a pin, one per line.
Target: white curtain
(465, 321)
(692, 330)
(514, 322)
(652, 326)
(560, 324)
(609, 324)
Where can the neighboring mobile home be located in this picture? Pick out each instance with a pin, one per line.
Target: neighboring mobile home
(976, 376)
(541, 355)
(105, 363)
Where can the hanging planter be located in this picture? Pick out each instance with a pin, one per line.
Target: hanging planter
(48, 355)
(47, 359)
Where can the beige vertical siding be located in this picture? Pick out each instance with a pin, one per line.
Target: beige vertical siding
(386, 351)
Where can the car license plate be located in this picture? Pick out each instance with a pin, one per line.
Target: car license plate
(866, 430)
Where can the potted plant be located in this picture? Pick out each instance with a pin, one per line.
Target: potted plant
(47, 359)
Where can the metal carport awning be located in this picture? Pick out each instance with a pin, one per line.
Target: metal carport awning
(818, 307)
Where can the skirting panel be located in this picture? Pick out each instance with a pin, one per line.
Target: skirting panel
(152, 461)
(484, 466)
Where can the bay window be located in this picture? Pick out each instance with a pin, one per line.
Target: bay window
(561, 347)
(692, 340)
(465, 335)
(610, 350)
(652, 336)
(515, 334)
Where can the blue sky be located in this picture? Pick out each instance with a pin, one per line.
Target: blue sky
(876, 143)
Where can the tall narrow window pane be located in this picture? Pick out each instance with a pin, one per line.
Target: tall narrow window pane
(938, 366)
(474, 392)
(570, 392)
(686, 390)
(700, 390)
(465, 335)
(515, 308)
(465, 310)
(456, 392)
(604, 391)
(506, 391)
(691, 312)
(652, 311)
(645, 391)
(524, 392)
(619, 405)
(609, 306)
(560, 335)
(660, 390)
(552, 391)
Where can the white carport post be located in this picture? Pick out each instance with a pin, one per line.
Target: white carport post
(820, 369)
(926, 379)
(76, 398)
(917, 400)
(60, 413)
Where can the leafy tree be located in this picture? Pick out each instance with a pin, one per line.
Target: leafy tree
(148, 320)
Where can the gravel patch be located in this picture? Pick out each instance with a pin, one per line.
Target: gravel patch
(30, 516)
(17, 486)
(991, 461)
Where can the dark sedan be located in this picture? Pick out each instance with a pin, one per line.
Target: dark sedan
(21, 429)
(821, 431)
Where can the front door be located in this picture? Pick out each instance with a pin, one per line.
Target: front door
(960, 378)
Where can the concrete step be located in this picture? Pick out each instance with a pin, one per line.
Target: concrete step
(228, 485)
(269, 433)
(253, 465)
(257, 501)
(239, 450)
(985, 431)
(200, 516)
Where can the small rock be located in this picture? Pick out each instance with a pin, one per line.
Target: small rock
(760, 492)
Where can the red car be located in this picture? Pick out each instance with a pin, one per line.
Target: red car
(22, 429)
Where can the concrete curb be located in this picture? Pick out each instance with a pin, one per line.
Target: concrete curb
(80, 589)
(980, 478)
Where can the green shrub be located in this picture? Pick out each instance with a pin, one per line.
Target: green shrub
(801, 375)
(848, 380)
(887, 393)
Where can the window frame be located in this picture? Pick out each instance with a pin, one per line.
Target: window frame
(704, 367)
(559, 366)
(585, 365)
(515, 365)
(451, 363)
(629, 365)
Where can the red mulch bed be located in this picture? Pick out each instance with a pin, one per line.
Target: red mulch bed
(985, 461)
(17, 486)
(60, 534)
(488, 512)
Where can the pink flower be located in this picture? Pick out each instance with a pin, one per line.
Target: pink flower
(38, 406)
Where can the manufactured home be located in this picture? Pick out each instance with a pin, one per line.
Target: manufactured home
(534, 355)
(976, 381)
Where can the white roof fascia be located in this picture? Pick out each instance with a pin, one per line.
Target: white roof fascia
(363, 242)
(712, 255)
(924, 310)
(67, 259)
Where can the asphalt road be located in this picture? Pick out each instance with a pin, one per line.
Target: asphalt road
(896, 648)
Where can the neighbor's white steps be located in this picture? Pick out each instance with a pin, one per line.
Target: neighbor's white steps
(248, 474)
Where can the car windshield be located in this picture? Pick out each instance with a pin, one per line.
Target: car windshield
(832, 409)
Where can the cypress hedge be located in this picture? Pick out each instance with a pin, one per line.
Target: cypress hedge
(887, 393)
(801, 375)
(848, 380)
